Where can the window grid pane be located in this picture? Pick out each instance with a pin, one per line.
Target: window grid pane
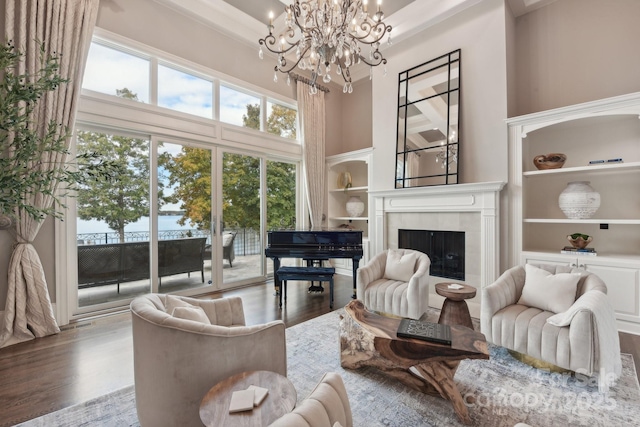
(184, 92)
(110, 70)
(239, 108)
(281, 120)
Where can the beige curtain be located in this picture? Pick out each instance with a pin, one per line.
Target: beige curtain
(413, 165)
(312, 118)
(65, 27)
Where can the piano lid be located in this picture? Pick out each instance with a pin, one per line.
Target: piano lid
(314, 237)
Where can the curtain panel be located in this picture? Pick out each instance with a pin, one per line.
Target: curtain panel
(65, 28)
(312, 117)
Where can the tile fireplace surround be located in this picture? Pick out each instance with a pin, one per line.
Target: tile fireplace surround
(472, 208)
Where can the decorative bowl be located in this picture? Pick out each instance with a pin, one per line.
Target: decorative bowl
(578, 240)
(549, 161)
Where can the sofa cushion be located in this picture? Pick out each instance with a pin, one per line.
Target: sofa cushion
(547, 291)
(399, 267)
(194, 313)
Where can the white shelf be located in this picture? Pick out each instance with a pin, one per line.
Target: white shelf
(614, 167)
(582, 221)
(601, 256)
(362, 189)
(349, 218)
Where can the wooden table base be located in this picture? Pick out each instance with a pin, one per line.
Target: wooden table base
(368, 339)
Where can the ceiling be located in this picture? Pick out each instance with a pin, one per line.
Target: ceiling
(259, 9)
(246, 20)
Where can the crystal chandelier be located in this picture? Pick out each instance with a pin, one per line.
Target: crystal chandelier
(448, 153)
(327, 36)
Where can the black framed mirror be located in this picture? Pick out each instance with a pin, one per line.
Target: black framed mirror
(427, 148)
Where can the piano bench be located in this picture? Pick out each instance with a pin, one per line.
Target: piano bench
(312, 274)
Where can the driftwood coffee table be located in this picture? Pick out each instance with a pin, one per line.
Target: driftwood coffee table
(368, 339)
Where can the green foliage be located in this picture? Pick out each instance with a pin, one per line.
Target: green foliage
(123, 200)
(241, 191)
(252, 118)
(190, 172)
(27, 153)
(281, 121)
(281, 195)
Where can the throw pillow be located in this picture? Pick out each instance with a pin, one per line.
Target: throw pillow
(171, 302)
(399, 267)
(547, 291)
(194, 313)
(227, 238)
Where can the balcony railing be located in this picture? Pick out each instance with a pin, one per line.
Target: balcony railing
(246, 242)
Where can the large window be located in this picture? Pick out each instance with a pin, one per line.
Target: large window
(189, 209)
(119, 71)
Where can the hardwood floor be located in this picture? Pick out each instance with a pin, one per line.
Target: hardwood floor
(92, 358)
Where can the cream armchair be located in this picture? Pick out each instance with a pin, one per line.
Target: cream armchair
(583, 338)
(176, 361)
(386, 292)
(326, 406)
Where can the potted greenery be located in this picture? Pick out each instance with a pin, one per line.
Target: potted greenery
(24, 149)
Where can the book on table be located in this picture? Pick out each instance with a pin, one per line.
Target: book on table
(427, 331)
(241, 400)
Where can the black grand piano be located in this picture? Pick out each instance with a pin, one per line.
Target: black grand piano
(314, 246)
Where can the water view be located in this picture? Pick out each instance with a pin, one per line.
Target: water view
(165, 223)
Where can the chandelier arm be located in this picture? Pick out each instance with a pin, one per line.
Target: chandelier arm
(378, 59)
(270, 40)
(282, 67)
(369, 28)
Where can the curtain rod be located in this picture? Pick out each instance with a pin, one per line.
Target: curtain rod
(298, 77)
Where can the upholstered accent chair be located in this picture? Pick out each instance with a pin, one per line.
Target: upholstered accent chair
(581, 336)
(327, 405)
(184, 346)
(395, 282)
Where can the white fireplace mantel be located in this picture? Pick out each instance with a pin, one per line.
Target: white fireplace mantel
(483, 198)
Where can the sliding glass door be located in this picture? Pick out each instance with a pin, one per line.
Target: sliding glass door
(185, 228)
(112, 221)
(176, 218)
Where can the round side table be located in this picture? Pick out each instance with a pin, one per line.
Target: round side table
(214, 409)
(455, 310)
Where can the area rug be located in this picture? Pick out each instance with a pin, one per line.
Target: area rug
(498, 392)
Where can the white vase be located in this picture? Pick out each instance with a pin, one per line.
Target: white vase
(355, 206)
(579, 200)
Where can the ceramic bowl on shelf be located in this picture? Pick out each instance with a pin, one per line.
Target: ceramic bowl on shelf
(549, 161)
(579, 241)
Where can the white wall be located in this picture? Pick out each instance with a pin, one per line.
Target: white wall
(573, 51)
(480, 32)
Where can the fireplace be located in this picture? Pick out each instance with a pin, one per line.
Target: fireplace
(469, 208)
(446, 250)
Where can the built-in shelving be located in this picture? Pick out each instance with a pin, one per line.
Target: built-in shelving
(604, 168)
(604, 129)
(357, 163)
